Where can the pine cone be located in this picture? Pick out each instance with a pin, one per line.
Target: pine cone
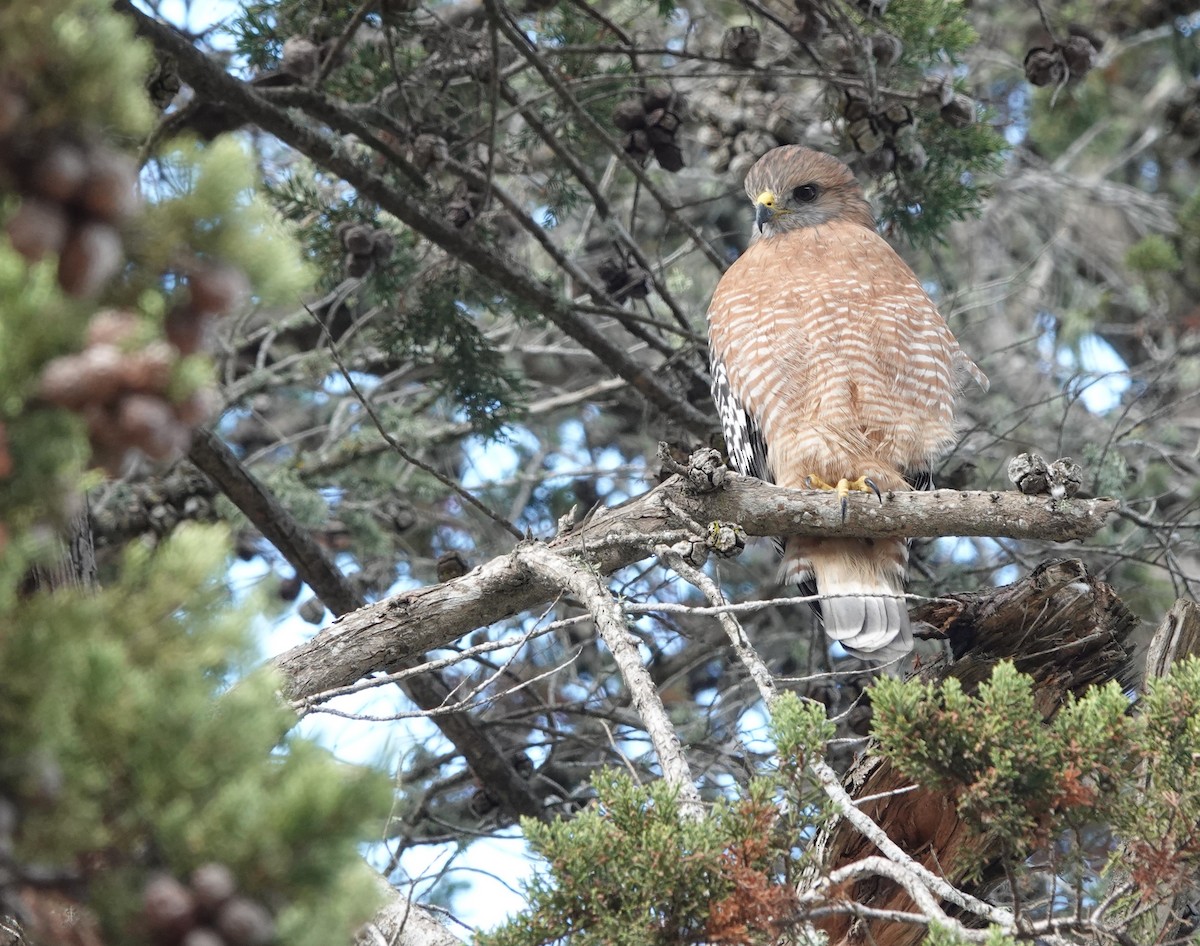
(741, 44)
(895, 117)
(637, 145)
(809, 24)
(935, 92)
(622, 280)
(886, 49)
(629, 115)
(960, 112)
(879, 162)
(1045, 66)
(865, 135)
(1079, 55)
(451, 565)
(1065, 477)
(1028, 473)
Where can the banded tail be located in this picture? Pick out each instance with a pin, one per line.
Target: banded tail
(861, 584)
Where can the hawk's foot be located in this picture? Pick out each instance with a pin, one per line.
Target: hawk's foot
(844, 487)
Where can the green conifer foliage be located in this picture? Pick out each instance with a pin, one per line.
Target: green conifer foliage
(1099, 764)
(135, 740)
(632, 870)
(117, 693)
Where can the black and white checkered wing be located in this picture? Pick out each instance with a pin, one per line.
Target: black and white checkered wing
(744, 444)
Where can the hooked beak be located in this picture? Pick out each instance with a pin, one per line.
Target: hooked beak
(764, 209)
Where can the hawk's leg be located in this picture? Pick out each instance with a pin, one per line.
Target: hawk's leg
(864, 484)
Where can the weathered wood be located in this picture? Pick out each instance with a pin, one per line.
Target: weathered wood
(1177, 637)
(384, 634)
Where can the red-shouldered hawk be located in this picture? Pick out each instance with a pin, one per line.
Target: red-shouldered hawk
(831, 365)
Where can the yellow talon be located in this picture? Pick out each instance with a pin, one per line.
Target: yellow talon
(864, 484)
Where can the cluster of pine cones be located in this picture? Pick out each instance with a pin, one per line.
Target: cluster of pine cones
(365, 247)
(121, 382)
(207, 911)
(882, 131)
(650, 124)
(75, 193)
(1068, 60)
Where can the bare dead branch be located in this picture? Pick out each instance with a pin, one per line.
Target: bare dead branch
(384, 634)
(762, 509)
(576, 577)
(1177, 637)
(919, 878)
(297, 545)
(428, 691)
(898, 874)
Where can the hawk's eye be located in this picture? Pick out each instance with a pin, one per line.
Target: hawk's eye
(805, 193)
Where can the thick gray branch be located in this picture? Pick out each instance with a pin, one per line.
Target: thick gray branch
(409, 624)
(762, 509)
(429, 691)
(403, 922)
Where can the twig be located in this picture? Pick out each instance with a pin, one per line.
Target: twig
(468, 702)
(1041, 10)
(354, 450)
(745, 651)
(343, 40)
(580, 580)
(450, 484)
(599, 203)
(561, 259)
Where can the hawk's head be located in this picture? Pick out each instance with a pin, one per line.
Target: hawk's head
(794, 187)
